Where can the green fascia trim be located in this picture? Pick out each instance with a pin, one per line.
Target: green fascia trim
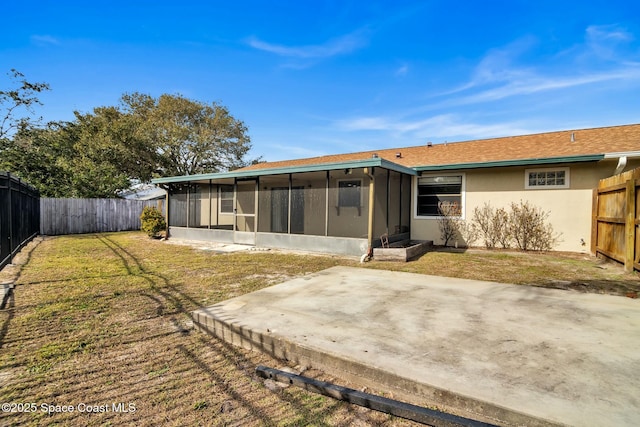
(373, 162)
(521, 162)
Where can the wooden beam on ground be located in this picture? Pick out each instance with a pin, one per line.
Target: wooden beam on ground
(371, 401)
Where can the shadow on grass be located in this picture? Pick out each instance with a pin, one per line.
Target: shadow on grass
(156, 281)
(9, 309)
(8, 301)
(167, 291)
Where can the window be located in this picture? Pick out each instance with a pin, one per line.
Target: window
(546, 178)
(433, 190)
(226, 199)
(349, 193)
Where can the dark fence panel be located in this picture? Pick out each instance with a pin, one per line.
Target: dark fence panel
(19, 216)
(78, 216)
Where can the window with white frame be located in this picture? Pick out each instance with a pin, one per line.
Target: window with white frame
(436, 189)
(226, 199)
(547, 178)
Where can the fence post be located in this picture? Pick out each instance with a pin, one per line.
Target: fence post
(594, 221)
(630, 225)
(10, 186)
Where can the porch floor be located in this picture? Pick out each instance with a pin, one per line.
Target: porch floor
(505, 354)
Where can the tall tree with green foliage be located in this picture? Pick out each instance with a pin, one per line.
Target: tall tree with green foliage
(190, 137)
(21, 96)
(98, 154)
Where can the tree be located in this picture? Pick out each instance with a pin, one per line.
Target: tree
(100, 153)
(22, 96)
(190, 137)
(39, 155)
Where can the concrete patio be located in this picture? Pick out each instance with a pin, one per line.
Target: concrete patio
(505, 354)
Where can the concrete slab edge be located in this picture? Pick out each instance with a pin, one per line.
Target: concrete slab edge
(399, 387)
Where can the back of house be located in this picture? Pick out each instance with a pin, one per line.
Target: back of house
(343, 203)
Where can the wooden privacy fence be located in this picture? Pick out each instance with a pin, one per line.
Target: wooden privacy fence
(76, 216)
(616, 207)
(19, 216)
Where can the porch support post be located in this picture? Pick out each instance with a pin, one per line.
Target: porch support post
(235, 204)
(326, 210)
(167, 190)
(188, 201)
(388, 197)
(289, 205)
(401, 180)
(372, 192)
(255, 211)
(210, 205)
(218, 205)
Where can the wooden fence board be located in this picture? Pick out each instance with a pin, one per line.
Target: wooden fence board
(616, 207)
(77, 216)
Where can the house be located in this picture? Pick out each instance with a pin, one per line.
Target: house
(343, 203)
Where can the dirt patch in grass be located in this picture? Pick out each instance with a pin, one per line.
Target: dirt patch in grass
(101, 323)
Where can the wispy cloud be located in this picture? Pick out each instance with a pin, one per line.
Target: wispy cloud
(402, 70)
(500, 74)
(44, 40)
(439, 126)
(604, 41)
(535, 84)
(337, 46)
(507, 74)
(281, 151)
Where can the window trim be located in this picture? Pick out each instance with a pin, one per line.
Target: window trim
(462, 194)
(567, 179)
(220, 191)
(338, 181)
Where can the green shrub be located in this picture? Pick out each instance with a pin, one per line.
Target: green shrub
(152, 221)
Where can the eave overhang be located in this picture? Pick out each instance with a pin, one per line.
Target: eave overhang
(515, 162)
(254, 173)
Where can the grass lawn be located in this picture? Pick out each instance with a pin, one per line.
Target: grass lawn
(98, 320)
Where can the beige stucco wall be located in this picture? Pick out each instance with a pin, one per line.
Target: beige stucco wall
(207, 207)
(569, 209)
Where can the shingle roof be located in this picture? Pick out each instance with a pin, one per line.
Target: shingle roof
(584, 142)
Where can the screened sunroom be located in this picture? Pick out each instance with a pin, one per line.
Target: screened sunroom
(340, 208)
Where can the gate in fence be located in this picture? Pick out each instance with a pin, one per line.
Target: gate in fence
(616, 219)
(19, 216)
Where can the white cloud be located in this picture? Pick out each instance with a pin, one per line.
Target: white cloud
(402, 71)
(284, 152)
(338, 46)
(499, 74)
(506, 74)
(605, 41)
(44, 40)
(440, 126)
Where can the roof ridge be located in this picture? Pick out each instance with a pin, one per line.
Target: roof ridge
(455, 142)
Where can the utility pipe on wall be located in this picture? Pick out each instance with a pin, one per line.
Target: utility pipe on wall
(371, 206)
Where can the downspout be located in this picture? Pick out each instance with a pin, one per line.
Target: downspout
(622, 163)
(369, 254)
(623, 158)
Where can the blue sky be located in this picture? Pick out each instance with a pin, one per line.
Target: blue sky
(314, 78)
